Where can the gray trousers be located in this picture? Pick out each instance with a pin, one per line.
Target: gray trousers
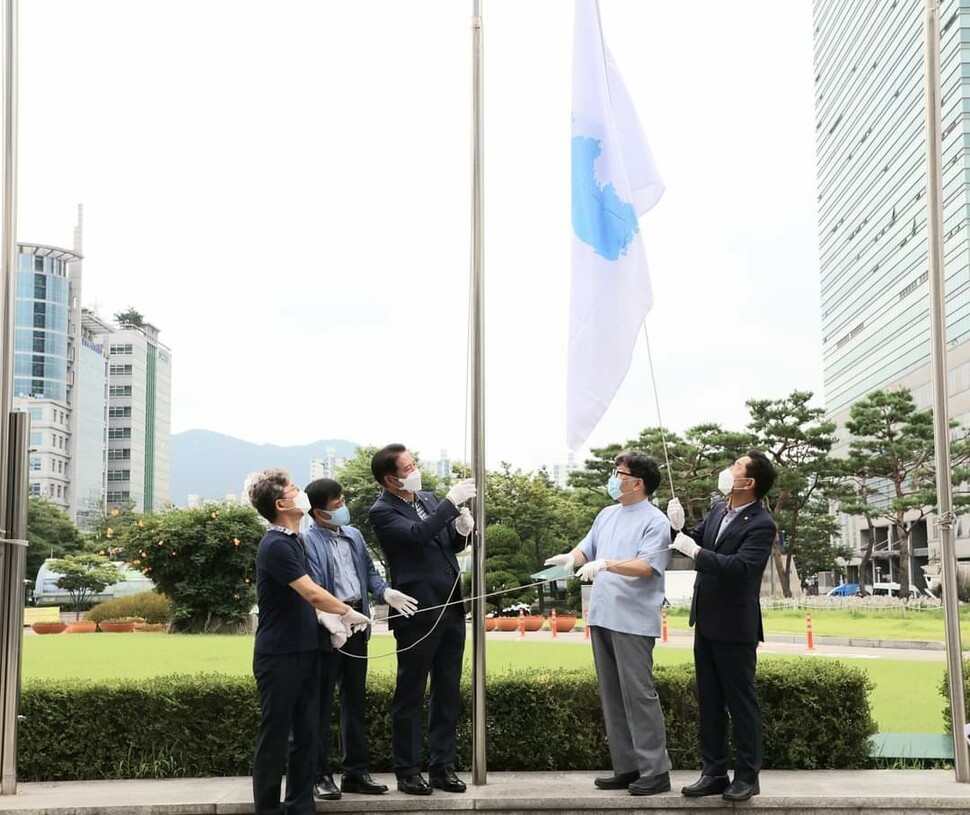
(631, 708)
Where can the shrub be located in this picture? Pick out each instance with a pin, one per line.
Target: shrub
(945, 690)
(148, 605)
(816, 716)
(204, 560)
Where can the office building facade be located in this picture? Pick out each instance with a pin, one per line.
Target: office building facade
(871, 169)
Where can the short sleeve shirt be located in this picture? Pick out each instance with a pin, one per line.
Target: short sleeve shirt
(628, 605)
(287, 622)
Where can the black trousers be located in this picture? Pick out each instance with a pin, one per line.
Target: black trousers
(725, 684)
(439, 656)
(337, 668)
(289, 698)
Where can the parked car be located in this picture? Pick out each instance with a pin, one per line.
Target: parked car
(844, 590)
(892, 589)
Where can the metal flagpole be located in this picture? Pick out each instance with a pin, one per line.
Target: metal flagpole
(941, 424)
(13, 467)
(478, 407)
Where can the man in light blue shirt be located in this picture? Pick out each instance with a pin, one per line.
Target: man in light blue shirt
(625, 554)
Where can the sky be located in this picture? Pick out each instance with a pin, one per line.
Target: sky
(284, 189)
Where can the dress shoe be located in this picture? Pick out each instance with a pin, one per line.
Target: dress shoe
(706, 785)
(650, 784)
(361, 784)
(414, 785)
(616, 782)
(447, 781)
(741, 790)
(325, 789)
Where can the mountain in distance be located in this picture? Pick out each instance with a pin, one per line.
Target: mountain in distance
(211, 464)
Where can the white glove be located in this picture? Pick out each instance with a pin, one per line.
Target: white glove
(464, 523)
(354, 621)
(462, 491)
(685, 546)
(675, 514)
(336, 628)
(568, 562)
(589, 570)
(400, 602)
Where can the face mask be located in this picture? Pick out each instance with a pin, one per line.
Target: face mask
(725, 481)
(301, 502)
(614, 487)
(339, 516)
(412, 481)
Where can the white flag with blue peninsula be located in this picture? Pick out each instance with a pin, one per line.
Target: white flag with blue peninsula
(614, 181)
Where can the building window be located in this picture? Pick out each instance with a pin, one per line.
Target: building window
(34, 464)
(35, 488)
(119, 455)
(59, 490)
(119, 432)
(119, 390)
(36, 439)
(119, 412)
(119, 370)
(117, 496)
(119, 349)
(119, 475)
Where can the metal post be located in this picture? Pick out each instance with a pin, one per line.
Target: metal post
(941, 431)
(13, 554)
(12, 613)
(477, 307)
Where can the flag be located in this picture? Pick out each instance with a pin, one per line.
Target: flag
(614, 181)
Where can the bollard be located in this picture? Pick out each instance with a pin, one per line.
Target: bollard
(521, 623)
(552, 624)
(808, 631)
(663, 626)
(586, 625)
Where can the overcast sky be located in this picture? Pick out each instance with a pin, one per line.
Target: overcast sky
(282, 188)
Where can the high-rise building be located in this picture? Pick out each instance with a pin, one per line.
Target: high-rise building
(91, 422)
(871, 167)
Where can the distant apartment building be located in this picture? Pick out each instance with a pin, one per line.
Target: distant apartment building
(98, 395)
(327, 466)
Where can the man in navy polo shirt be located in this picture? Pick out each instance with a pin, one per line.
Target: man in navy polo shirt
(286, 657)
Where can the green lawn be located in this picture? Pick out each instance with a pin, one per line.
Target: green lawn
(905, 699)
(886, 624)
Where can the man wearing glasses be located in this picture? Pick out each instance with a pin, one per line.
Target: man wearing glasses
(625, 554)
(286, 658)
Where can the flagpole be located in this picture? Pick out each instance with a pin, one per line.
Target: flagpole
(478, 405)
(941, 424)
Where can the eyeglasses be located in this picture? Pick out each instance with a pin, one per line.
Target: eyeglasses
(622, 473)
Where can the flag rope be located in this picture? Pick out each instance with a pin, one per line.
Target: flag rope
(660, 421)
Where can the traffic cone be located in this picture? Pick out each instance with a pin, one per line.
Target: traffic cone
(586, 625)
(808, 631)
(521, 623)
(663, 627)
(552, 624)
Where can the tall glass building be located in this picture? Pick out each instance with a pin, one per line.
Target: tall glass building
(871, 169)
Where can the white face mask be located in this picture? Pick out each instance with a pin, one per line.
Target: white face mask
(725, 481)
(302, 502)
(412, 481)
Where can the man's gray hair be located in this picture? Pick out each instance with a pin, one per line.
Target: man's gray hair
(266, 488)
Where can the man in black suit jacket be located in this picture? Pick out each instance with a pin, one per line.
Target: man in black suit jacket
(731, 547)
(420, 536)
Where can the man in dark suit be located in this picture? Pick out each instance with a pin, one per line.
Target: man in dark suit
(730, 547)
(340, 563)
(420, 536)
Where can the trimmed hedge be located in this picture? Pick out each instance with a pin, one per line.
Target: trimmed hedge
(151, 606)
(816, 716)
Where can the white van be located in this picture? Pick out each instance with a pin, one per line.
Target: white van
(892, 590)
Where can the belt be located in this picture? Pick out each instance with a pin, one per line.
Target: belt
(356, 605)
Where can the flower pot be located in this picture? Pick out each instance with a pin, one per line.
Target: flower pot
(48, 628)
(81, 627)
(116, 628)
(533, 623)
(563, 623)
(506, 623)
(489, 623)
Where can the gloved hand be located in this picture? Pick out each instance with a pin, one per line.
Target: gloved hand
(589, 570)
(568, 562)
(675, 514)
(685, 546)
(338, 636)
(400, 602)
(462, 491)
(464, 523)
(354, 621)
